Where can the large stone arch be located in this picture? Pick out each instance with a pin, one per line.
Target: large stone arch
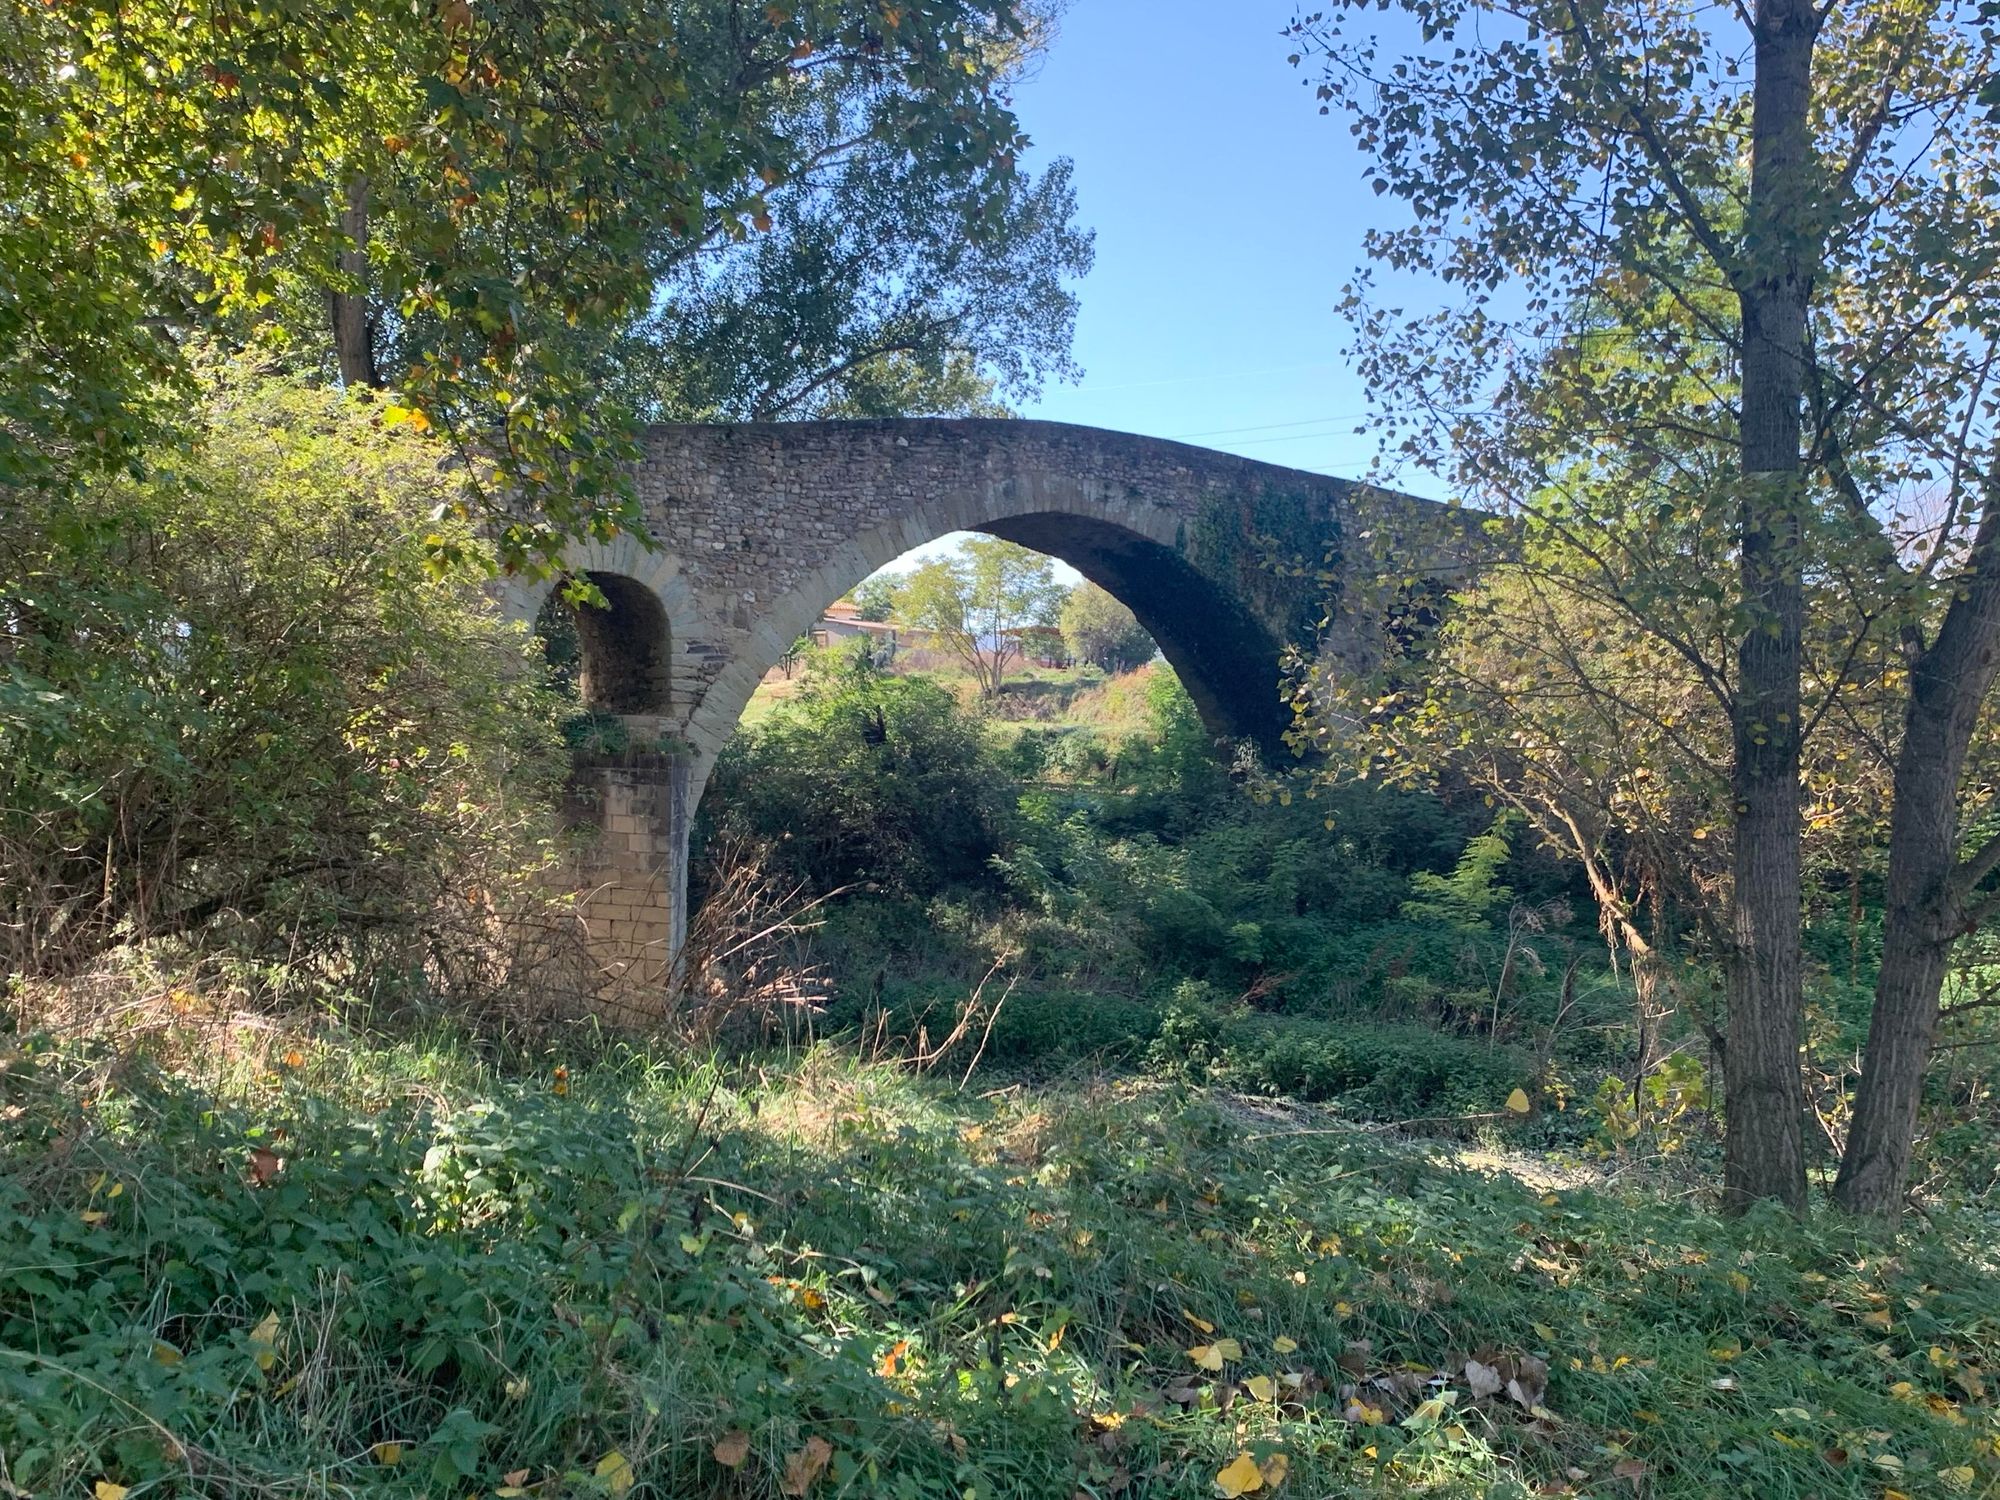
(755, 528)
(1227, 658)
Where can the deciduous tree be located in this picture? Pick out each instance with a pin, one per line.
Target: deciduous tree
(976, 603)
(1724, 297)
(470, 202)
(1098, 628)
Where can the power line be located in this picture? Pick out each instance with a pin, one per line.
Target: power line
(1086, 389)
(1295, 437)
(1345, 416)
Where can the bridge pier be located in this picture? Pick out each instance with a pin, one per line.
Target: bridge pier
(629, 873)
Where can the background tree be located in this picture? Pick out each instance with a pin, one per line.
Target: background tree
(1097, 628)
(976, 603)
(875, 597)
(1623, 218)
(883, 289)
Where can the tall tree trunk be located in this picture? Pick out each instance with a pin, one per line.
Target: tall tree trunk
(1925, 897)
(1764, 1154)
(353, 336)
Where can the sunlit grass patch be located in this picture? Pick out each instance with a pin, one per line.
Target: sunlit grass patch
(395, 1267)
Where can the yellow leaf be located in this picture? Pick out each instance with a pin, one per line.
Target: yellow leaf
(1879, 1318)
(1201, 1324)
(388, 1454)
(615, 1469)
(1738, 1280)
(1240, 1477)
(104, 1489)
(1284, 1345)
(1518, 1101)
(1542, 1330)
(264, 1342)
(1959, 1478)
(1263, 1387)
(1206, 1356)
(1275, 1468)
(92, 1216)
(165, 1353)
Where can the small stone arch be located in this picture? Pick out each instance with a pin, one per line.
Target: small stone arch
(635, 648)
(625, 646)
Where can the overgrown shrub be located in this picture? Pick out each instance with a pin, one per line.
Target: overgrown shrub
(866, 777)
(1381, 1072)
(1192, 1039)
(237, 701)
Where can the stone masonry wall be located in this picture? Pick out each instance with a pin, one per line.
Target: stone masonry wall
(626, 879)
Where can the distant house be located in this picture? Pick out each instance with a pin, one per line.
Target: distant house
(842, 622)
(1040, 644)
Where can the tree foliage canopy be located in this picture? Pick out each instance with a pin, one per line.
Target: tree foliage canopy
(977, 602)
(1097, 627)
(507, 185)
(234, 696)
(1722, 290)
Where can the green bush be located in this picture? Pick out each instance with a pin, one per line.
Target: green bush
(865, 777)
(1385, 1072)
(1034, 1029)
(1193, 1035)
(237, 698)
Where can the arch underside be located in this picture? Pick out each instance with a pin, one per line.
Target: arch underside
(1228, 661)
(1225, 658)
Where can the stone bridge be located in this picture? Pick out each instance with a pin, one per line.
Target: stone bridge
(756, 528)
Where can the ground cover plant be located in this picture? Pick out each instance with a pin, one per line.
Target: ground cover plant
(240, 1259)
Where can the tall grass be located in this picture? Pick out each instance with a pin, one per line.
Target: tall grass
(335, 1263)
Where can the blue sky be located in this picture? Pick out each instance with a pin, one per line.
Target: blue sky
(1228, 213)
